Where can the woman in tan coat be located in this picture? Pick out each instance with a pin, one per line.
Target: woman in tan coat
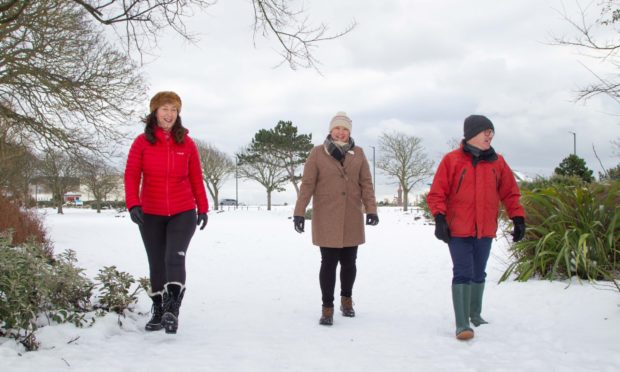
(337, 178)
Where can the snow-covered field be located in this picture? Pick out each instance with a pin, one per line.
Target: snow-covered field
(253, 303)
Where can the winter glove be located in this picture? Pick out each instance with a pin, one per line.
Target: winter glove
(299, 222)
(442, 231)
(372, 219)
(519, 228)
(202, 219)
(136, 214)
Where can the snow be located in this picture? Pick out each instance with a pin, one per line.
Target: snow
(253, 303)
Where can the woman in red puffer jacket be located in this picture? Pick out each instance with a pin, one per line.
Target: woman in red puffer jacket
(166, 197)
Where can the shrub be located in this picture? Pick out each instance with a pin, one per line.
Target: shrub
(35, 287)
(421, 203)
(115, 288)
(572, 230)
(308, 214)
(31, 284)
(24, 225)
(542, 183)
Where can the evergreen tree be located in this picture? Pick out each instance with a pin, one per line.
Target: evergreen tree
(287, 149)
(573, 165)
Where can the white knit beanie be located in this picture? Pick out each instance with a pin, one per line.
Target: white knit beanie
(341, 120)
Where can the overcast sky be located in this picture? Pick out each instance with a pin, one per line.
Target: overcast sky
(415, 66)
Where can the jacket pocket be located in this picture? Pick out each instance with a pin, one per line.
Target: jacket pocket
(180, 163)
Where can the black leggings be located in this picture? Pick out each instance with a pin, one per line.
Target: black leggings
(327, 275)
(166, 239)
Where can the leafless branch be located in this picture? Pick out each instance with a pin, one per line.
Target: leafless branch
(296, 36)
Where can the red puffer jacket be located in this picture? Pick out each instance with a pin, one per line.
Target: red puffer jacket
(171, 176)
(469, 196)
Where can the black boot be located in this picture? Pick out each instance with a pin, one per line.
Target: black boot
(157, 310)
(173, 295)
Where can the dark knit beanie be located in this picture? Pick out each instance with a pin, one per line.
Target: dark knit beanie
(475, 124)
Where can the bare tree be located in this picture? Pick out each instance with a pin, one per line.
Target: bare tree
(297, 38)
(264, 169)
(403, 157)
(16, 163)
(216, 167)
(60, 82)
(592, 39)
(59, 172)
(139, 23)
(100, 178)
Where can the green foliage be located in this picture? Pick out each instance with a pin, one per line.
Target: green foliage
(35, 287)
(32, 284)
(555, 180)
(573, 165)
(308, 214)
(572, 230)
(612, 174)
(421, 203)
(115, 290)
(273, 157)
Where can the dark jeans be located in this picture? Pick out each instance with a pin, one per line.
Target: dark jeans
(469, 259)
(327, 276)
(166, 239)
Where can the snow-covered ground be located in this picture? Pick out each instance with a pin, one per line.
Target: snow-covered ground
(253, 303)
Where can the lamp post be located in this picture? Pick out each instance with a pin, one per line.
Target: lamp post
(574, 142)
(236, 183)
(373, 170)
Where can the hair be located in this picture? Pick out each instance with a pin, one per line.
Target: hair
(178, 131)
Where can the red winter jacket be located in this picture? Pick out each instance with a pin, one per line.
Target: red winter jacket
(469, 196)
(170, 173)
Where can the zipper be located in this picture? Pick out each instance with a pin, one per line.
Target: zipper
(458, 187)
(168, 173)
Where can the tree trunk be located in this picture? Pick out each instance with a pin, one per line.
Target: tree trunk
(405, 199)
(216, 198)
(268, 200)
(98, 204)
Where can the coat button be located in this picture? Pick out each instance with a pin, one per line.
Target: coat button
(344, 193)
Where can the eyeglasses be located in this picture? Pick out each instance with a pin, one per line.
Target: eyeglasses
(488, 132)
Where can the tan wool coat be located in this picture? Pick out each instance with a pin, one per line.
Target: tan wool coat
(340, 195)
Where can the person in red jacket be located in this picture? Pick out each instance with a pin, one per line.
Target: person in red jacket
(467, 189)
(166, 197)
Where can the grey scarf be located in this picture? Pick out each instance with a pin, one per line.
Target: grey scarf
(337, 151)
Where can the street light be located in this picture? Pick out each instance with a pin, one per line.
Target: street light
(236, 183)
(574, 142)
(373, 170)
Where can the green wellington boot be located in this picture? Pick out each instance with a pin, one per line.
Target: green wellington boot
(477, 289)
(461, 297)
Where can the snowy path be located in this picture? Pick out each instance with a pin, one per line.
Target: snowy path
(253, 303)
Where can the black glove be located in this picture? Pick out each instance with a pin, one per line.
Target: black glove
(136, 214)
(442, 231)
(202, 218)
(299, 222)
(372, 219)
(519, 228)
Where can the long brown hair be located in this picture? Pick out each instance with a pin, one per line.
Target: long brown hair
(178, 131)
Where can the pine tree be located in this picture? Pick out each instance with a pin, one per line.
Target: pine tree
(573, 165)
